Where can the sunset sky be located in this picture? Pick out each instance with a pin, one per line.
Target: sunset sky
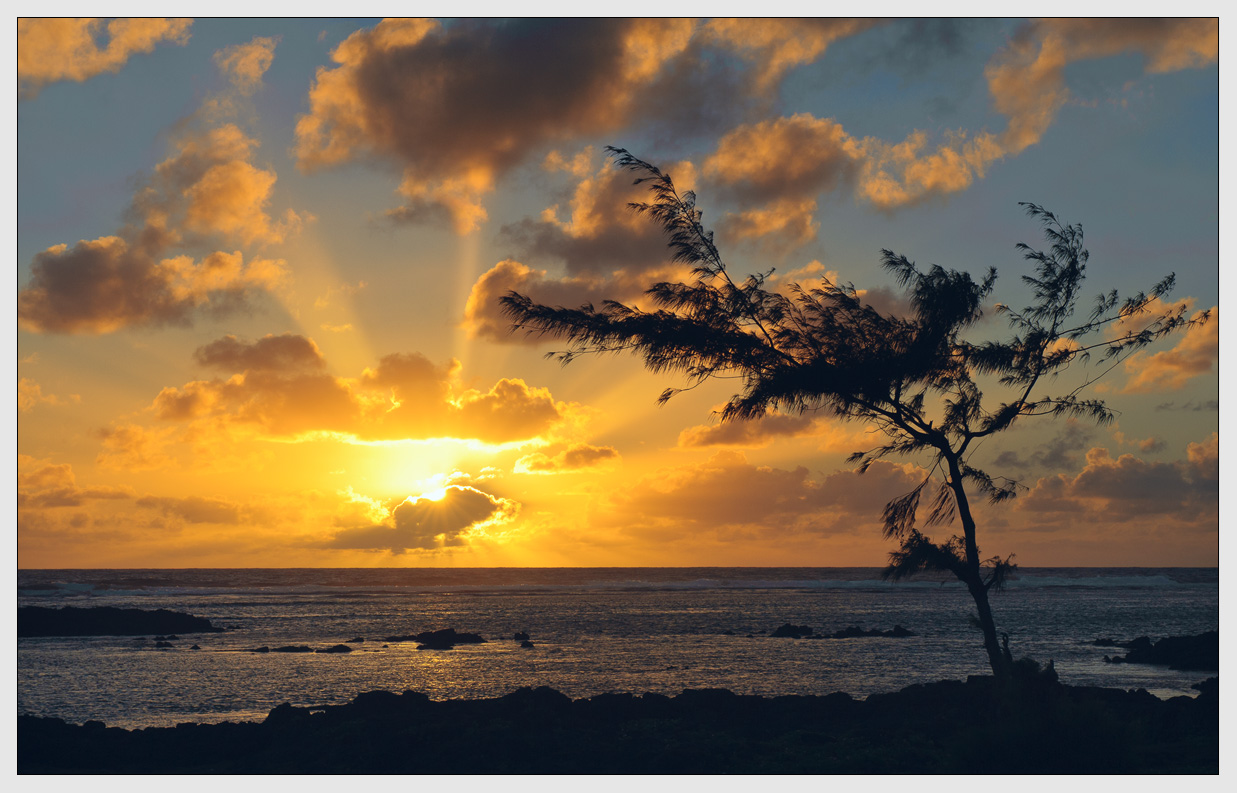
(259, 264)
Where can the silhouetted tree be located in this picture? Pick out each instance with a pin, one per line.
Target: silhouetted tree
(914, 377)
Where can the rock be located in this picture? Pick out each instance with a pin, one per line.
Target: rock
(357, 640)
(107, 621)
(728, 633)
(527, 644)
(855, 632)
(445, 639)
(339, 648)
(195, 647)
(293, 648)
(792, 631)
(520, 636)
(1201, 652)
(162, 645)
(263, 649)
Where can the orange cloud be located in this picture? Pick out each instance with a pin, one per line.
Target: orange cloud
(49, 50)
(244, 64)
(424, 524)
(574, 458)
(1195, 355)
(430, 98)
(43, 484)
(778, 45)
(30, 393)
(753, 433)
(727, 493)
(133, 447)
(784, 164)
(207, 192)
(282, 392)
(285, 351)
(482, 315)
(1027, 79)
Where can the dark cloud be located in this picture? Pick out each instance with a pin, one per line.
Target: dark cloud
(1209, 405)
(1062, 452)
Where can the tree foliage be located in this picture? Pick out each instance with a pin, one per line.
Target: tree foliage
(916, 378)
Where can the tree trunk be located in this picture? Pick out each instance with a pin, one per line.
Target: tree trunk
(974, 579)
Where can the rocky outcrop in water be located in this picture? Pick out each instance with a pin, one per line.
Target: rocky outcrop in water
(789, 631)
(1201, 652)
(444, 639)
(106, 621)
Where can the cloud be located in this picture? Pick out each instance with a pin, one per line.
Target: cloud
(207, 194)
(752, 433)
(424, 524)
(1196, 354)
(431, 97)
(482, 312)
(133, 447)
(279, 389)
(43, 484)
(778, 45)
(1129, 487)
(194, 509)
(1062, 451)
(103, 285)
(782, 165)
(726, 492)
(574, 458)
(50, 50)
(283, 352)
(592, 231)
(244, 64)
(1027, 79)
(30, 394)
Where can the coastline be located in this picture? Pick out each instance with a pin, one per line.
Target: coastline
(1033, 726)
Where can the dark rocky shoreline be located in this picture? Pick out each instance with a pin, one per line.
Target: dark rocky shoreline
(1031, 726)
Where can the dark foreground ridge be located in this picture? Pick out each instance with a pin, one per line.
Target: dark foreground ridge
(106, 621)
(1034, 726)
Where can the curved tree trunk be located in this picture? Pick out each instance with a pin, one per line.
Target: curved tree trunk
(974, 579)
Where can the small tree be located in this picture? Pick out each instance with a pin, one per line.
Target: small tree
(913, 377)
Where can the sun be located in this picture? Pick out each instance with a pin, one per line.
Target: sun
(437, 494)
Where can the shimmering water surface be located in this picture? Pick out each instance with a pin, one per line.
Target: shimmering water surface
(596, 630)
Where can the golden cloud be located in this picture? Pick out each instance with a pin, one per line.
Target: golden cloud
(1196, 354)
(30, 393)
(43, 484)
(574, 458)
(207, 192)
(283, 393)
(49, 50)
(424, 524)
(1027, 79)
(245, 64)
(778, 45)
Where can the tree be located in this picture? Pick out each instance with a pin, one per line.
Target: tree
(914, 377)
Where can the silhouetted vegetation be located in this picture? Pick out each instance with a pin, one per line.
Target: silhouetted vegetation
(1031, 724)
(821, 347)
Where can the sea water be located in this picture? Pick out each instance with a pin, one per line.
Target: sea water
(594, 630)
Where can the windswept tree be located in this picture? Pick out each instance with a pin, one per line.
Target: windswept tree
(916, 378)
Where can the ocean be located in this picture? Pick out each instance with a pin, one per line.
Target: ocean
(594, 630)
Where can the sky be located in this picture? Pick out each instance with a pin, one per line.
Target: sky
(259, 264)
